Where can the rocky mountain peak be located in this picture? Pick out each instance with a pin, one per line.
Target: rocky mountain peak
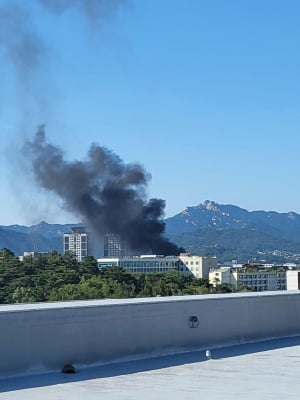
(211, 205)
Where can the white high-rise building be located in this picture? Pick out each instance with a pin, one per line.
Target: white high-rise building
(78, 242)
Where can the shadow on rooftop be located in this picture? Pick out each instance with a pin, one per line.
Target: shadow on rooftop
(142, 365)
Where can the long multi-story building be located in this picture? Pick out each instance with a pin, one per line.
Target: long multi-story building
(78, 242)
(258, 279)
(185, 263)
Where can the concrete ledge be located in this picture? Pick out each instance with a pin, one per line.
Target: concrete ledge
(38, 337)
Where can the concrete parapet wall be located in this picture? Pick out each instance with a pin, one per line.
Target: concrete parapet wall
(47, 336)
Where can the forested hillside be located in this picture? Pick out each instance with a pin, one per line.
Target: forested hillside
(242, 245)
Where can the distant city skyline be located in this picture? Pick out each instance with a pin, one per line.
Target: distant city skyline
(204, 95)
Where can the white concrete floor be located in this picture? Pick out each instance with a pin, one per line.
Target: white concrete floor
(265, 370)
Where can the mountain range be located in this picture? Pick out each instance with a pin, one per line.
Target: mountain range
(218, 216)
(231, 232)
(227, 231)
(41, 237)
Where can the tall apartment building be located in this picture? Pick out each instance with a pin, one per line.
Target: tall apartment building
(114, 246)
(78, 242)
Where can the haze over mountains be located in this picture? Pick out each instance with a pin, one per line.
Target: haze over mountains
(226, 231)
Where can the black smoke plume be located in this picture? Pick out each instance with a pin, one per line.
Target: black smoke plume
(21, 42)
(108, 194)
(94, 10)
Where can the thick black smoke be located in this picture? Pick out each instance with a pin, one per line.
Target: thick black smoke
(107, 193)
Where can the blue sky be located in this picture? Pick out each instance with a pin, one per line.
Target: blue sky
(204, 94)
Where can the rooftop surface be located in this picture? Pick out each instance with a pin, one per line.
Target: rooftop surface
(111, 302)
(262, 370)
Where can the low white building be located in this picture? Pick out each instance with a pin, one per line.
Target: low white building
(33, 254)
(293, 280)
(197, 265)
(218, 276)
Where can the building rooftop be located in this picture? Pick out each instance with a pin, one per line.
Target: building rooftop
(21, 307)
(134, 345)
(79, 229)
(263, 370)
